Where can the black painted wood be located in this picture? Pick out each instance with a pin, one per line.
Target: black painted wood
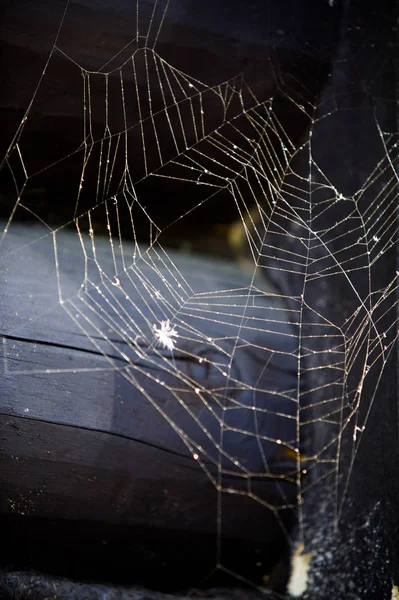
(49, 337)
(93, 478)
(212, 43)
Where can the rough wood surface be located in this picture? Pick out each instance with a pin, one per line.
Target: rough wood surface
(92, 475)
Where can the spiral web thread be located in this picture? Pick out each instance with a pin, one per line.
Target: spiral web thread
(298, 225)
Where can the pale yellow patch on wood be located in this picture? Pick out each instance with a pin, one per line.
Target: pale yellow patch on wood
(298, 581)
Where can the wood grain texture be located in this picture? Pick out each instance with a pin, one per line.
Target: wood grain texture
(92, 475)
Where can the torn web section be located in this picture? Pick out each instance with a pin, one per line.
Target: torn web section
(225, 395)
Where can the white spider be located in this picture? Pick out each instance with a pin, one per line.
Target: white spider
(165, 334)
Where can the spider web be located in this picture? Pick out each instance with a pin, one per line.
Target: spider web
(306, 228)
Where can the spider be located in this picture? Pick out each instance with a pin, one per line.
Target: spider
(165, 334)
